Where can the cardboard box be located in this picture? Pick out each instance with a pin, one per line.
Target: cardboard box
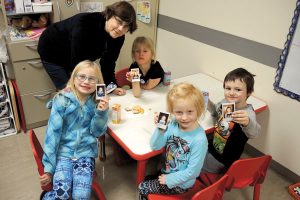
(27, 6)
(19, 6)
(42, 7)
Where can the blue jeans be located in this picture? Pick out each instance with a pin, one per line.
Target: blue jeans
(72, 178)
(58, 74)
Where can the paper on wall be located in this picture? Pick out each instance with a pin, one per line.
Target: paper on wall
(91, 7)
(143, 11)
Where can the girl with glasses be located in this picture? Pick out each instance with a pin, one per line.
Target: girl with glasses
(70, 146)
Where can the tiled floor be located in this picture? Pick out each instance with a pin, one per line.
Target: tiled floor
(19, 178)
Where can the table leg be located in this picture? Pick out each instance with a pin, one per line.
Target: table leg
(141, 170)
(102, 154)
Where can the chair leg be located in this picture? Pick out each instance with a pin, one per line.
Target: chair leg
(102, 154)
(256, 192)
(98, 191)
(117, 153)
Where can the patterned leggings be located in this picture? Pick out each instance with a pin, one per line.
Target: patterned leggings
(72, 178)
(153, 186)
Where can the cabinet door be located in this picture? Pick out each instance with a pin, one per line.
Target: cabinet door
(34, 106)
(31, 76)
(64, 9)
(23, 50)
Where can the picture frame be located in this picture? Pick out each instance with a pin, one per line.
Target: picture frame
(100, 91)
(135, 74)
(227, 110)
(162, 121)
(287, 80)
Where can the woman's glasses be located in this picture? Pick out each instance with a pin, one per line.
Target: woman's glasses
(121, 23)
(90, 79)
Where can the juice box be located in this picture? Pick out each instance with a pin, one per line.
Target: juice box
(116, 113)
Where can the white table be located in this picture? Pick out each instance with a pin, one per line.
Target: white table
(134, 132)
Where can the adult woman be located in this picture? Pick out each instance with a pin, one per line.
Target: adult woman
(87, 36)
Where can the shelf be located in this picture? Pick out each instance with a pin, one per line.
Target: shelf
(7, 120)
(14, 14)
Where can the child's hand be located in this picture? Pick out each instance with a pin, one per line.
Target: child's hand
(241, 117)
(119, 91)
(103, 104)
(45, 179)
(162, 179)
(129, 76)
(155, 118)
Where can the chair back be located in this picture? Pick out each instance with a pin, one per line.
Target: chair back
(248, 171)
(212, 192)
(121, 77)
(38, 152)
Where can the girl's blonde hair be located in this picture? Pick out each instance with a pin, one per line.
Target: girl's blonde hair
(186, 92)
(80, 66)
(143, 41)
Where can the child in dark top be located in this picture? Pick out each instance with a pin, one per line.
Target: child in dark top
(229, 138)
(143, 54)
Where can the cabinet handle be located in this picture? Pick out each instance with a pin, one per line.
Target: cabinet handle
(36, 64)
(58, 10)
(77, 4)
(42, 96)
(32, 46)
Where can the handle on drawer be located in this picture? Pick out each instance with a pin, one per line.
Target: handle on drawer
(58, 9)
(42, 96)
(78, 7)
(32, 46)
(36, 64)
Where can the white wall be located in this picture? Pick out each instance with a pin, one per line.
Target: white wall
(263, 21)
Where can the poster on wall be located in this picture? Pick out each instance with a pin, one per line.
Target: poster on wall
(287, 79)
(143, 11)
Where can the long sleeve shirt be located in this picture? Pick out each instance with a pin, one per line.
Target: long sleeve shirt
(230, 138)
(184, 155)
(78, 38)
(72, 129)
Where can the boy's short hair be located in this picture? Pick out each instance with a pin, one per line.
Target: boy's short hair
(244, 76)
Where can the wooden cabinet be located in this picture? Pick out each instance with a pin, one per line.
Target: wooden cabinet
(34, 85)
(35, 88)
(63, 11)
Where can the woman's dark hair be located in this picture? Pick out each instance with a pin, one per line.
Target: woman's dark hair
(124, 11)
(244, 76)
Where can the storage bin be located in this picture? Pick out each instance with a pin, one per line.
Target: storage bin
(42, 7)
(294, 191)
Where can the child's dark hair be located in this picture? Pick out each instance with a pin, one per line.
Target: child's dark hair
(244, 76)
(124, 11)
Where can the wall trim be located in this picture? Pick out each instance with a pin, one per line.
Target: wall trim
(252, 50)
(280, 169)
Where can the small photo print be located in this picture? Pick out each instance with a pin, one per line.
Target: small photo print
(100, 91)
(163, 120)
(135, 74)
(206, 97)
(227, 110)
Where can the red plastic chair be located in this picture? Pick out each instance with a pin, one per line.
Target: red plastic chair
(121, 81)
(121, 77)
(243, 173)
(212, 192)
(38, 152)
